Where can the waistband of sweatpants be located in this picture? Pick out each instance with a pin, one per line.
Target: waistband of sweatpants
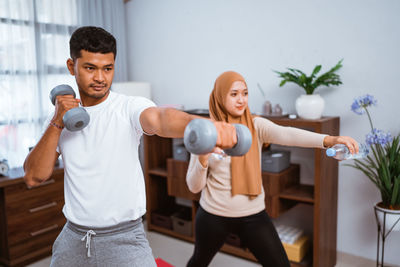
(104, 231)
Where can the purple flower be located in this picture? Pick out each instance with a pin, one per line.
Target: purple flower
(378, 137)
(361, 103)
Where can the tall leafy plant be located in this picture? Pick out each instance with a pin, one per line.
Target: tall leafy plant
(312, 82)
(383, 167)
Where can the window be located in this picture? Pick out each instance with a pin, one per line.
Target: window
(33, 52)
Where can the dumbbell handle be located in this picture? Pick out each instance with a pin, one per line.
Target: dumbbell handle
(200, 137)
(74, 119)
(62, 89)
(244, 140)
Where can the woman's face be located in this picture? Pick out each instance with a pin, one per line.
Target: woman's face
(236, 100)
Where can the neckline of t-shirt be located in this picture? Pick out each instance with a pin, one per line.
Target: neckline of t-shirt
(102, 104)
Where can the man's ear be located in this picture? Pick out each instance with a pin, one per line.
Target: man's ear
(70, 66)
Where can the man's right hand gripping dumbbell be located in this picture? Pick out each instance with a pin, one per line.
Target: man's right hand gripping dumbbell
(67, 112)
(202, 136)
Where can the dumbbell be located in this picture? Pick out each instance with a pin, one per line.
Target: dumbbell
(200, 137)
(74, 119)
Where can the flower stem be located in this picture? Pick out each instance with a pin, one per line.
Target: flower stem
(369, 118)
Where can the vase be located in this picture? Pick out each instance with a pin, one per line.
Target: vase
(310, 106)
(392, 216)
(267, 108)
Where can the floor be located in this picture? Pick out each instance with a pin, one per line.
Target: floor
(179, 251)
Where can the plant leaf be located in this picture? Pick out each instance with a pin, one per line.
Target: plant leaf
(330, 77)
(310, 83)
(395, 191)
(316, 70)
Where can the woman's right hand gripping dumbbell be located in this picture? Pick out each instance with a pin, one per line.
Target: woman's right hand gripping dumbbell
(67, 111)
(204, 136)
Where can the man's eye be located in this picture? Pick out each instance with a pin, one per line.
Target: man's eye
(89, 68)
(108, 69)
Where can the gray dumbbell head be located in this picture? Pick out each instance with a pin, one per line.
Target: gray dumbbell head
(76, 119)
(62, 89)
(244, 140)
(200, 136)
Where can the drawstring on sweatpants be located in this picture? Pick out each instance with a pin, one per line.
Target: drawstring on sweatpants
(88, 237)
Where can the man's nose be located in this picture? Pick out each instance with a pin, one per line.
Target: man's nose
(99, 76)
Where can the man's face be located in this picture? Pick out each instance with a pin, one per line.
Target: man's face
(93, 73)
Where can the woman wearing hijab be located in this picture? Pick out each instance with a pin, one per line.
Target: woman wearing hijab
(232, 196)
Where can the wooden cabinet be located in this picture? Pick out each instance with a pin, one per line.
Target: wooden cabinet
(30, 218)
(165, 181)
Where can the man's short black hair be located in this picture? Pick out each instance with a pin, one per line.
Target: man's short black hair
(92, 39)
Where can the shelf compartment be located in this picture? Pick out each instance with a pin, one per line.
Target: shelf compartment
(275, 183)
(162, 172)
(301, 193)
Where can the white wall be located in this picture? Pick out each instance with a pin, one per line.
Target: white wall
(180, 47)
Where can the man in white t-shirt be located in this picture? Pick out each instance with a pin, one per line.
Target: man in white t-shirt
(104, 187)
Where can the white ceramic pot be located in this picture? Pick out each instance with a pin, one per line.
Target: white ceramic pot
(391, 217)
(310, 106)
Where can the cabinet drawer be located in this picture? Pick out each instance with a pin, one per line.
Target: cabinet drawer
(26, 211)
(41, 242)
(35, 224)
(34, 204)
(20, 192)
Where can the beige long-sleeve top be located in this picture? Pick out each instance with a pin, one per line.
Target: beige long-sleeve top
(214, 181)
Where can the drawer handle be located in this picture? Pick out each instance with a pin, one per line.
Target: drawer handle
(51, 181)
(44, 230)
(52, 204)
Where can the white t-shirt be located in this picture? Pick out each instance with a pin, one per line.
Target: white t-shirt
(103, 179)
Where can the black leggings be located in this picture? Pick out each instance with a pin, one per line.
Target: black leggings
(256, 232)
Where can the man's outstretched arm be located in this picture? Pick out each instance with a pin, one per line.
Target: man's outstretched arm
(169, 122)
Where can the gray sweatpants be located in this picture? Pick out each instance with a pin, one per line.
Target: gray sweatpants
(122, 245)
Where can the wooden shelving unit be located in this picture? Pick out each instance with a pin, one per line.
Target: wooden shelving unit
(165, 181)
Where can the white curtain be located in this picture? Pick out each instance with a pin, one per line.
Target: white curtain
(110, 15)
(34, 48)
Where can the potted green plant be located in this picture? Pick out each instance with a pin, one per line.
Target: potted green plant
(382, 166)
(310, 105)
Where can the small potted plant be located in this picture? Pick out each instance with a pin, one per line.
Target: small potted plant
(382, 166)
(310, 105)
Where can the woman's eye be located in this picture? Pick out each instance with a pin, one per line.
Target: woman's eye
(234, 94)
